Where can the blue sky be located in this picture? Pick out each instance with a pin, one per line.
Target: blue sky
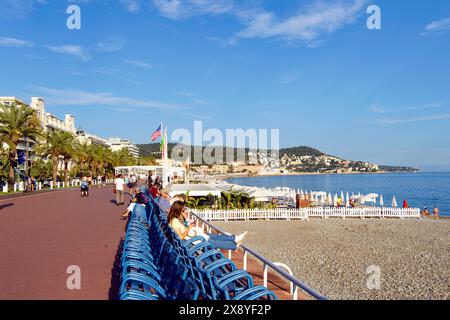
(310, 68)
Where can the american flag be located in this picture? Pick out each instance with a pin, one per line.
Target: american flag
(157, 134)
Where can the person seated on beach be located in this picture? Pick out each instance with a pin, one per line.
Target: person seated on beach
(139, 199)
(436, 212)
(352, 203)
(163, 200)
(225, 242)
(84, 187)
(425, 212)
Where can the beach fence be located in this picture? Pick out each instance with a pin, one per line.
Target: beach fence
(306, 213)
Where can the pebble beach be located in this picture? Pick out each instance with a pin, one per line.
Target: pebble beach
(339, 258)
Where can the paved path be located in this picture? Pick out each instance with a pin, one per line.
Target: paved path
(41, 235)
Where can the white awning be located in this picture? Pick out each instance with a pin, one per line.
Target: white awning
(195, 190)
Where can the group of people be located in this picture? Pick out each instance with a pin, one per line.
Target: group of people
(123, 184)
(173, 209)
(426, 213)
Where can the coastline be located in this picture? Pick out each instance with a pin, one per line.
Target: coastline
(227, 176)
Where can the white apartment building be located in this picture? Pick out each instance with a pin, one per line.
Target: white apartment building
(50, 121)
(117, 144)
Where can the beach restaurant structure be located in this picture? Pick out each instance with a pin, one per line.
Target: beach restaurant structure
(173, 172)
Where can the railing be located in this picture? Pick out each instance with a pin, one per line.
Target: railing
(277, 267)
(306, 213)
(20, 186)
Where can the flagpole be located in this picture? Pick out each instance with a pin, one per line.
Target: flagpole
(162, 137)
(165, 162)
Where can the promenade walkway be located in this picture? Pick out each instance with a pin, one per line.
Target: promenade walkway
(42, 234)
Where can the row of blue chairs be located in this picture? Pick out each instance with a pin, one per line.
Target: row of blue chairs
(157, 264)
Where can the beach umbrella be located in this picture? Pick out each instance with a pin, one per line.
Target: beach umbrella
(381, 201)
(347, 200)
(342, 197)
(322, 200)
(394, 202)
(335, 200)
(405, 204)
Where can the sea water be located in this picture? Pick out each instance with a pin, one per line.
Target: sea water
(418, 189)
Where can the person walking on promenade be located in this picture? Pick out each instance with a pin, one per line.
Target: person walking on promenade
(119, 185)
(436, 212)
(104, 181)
(84, 186)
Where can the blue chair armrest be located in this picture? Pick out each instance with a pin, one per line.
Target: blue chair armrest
(255, 293)
(234, 276)
(209, 254)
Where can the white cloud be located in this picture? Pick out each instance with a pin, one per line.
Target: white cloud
(382, 110)
(416, 119)
(426, 106)
(307, 25)
(110, 45)
(16, 8)
(179, 9)
(12, 42)
(317, 20)
(75, 97)
(186, 94)
(134, 81)
(379, 109)
(192, 96)
(73, 50)
(131, 5)
(438, 26)
(139, 64)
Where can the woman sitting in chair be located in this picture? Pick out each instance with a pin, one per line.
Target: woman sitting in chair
(176, 219)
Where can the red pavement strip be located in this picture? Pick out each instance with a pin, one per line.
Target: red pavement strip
(42, 235)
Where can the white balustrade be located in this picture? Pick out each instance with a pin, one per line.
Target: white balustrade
(306, 213)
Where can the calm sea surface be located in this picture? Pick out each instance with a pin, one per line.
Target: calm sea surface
(419, 189)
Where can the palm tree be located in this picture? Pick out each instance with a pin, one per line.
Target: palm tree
(81, 154)
(56, 147)
(16, 123)
(41, 169)
(195, 202)
(227, 199)
(4, 163)
(68, 153)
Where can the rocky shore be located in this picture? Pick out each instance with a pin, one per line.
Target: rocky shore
(339, 257)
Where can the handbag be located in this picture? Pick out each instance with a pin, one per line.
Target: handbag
(114, 190)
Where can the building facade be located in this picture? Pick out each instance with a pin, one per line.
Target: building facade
(117, 144)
